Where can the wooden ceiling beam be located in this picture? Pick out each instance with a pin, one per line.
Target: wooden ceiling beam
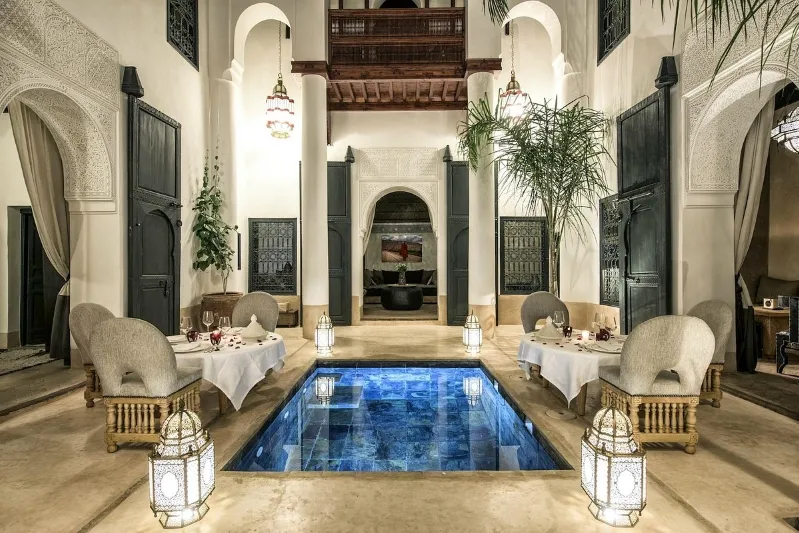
(398, 106)
(336, 90)
(391, 90)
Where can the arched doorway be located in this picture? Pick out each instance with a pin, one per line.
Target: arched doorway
(400, 248)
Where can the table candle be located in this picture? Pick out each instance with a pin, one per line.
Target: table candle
(586, 334)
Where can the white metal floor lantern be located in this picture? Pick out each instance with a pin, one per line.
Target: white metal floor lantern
(181, 471)
(472, 334)
(613, 469)
(324, 335)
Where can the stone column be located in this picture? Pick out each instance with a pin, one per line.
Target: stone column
(482, 259)
(225, 102)
(315, 282)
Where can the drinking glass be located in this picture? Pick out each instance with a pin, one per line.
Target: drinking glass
(599, 320)
(612, 325)
(185, 324)
(208, 319)
(558, 319)
(224, 324)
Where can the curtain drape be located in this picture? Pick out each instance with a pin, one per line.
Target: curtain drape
(44, 180)
(753, 169)
(367, 231)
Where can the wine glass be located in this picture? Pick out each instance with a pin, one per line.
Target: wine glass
(208, 319)
(185, 324)
(224, 324)
(612, 325)
(558, 319)
(599, 320)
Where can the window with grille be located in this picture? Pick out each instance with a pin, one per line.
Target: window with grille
(609, 251)
(524, 255)
(614, 25)
(273, 255)
(181, 29)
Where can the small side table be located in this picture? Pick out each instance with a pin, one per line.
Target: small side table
(772, 321)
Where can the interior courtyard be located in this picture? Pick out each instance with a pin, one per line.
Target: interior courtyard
(399, 265)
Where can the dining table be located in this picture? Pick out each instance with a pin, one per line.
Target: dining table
(569, 363)
(237, 366)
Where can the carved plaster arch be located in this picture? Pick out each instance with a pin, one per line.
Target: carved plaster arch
(372, 192)
(717, 116)
(70, 78)
(546, 16)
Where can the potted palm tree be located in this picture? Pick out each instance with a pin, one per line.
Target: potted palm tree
(213, 246)
(552, 156)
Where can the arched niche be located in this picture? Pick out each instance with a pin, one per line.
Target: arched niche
(546, 16)
(248, 19)
(70, 78)
(371, 193)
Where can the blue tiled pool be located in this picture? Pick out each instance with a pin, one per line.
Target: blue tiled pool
(397, 419)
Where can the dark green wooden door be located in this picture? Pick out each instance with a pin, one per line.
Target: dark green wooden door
(457, 242)
(339, 242)
(153, 217)
(644, 208)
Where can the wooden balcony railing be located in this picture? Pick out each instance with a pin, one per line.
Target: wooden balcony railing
(414, 38)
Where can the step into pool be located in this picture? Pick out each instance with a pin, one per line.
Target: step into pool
(398, 418)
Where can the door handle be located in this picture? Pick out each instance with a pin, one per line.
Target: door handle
(175, 204)
(179, 223)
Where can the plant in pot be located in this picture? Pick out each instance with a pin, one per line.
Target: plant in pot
(550, 156)
(213, 246)
(402, 269)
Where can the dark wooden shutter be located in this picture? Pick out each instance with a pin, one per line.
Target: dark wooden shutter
(153, 217)
(457, 242)
(609, 251)
(645, 216)
(339, 242)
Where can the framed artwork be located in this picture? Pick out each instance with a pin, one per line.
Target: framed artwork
(401, 249)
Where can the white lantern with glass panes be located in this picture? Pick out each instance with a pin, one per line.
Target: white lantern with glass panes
(181, 470)
(472, 334)
(324, 336)
(613, 469)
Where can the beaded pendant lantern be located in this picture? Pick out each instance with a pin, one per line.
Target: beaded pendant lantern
(787, 131)
(279, 107)
(513, 101)
(613, 469)
(181, 470)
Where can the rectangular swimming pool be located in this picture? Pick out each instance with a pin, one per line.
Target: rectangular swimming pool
(398, 418)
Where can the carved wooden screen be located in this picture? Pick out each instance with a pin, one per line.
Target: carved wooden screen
(181, 29)
(273, 255)
(609, 251)
(613, 26)
(524, 255)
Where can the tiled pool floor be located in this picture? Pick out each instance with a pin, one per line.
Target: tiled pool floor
(396, 419)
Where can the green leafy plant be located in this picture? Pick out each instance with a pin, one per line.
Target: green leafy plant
(552, 157)
(210, 230)
(402, 267)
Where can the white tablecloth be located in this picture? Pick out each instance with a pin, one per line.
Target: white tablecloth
(563, 366)
(236, 371)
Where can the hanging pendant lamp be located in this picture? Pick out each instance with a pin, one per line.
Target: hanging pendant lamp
(513, 101)
(279, 107)
(787, 131)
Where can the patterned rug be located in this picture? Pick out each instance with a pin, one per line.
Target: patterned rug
(23, 357)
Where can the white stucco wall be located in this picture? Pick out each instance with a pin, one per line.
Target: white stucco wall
(14, 194)
(172, 85)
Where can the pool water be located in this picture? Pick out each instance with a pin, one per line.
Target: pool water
(397, 419)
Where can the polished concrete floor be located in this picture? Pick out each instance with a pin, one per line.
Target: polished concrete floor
(58, 477)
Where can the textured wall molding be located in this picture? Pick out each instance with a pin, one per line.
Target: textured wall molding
(717, 115)
(70, 78)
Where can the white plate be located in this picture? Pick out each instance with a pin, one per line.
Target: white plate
(176, 339)
(191, 347)
(604, 347)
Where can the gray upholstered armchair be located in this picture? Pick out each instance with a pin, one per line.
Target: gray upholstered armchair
(540, 305)
(261, 304)
(663, 364)
(720, 318)
(141, 381)
(82, 320)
